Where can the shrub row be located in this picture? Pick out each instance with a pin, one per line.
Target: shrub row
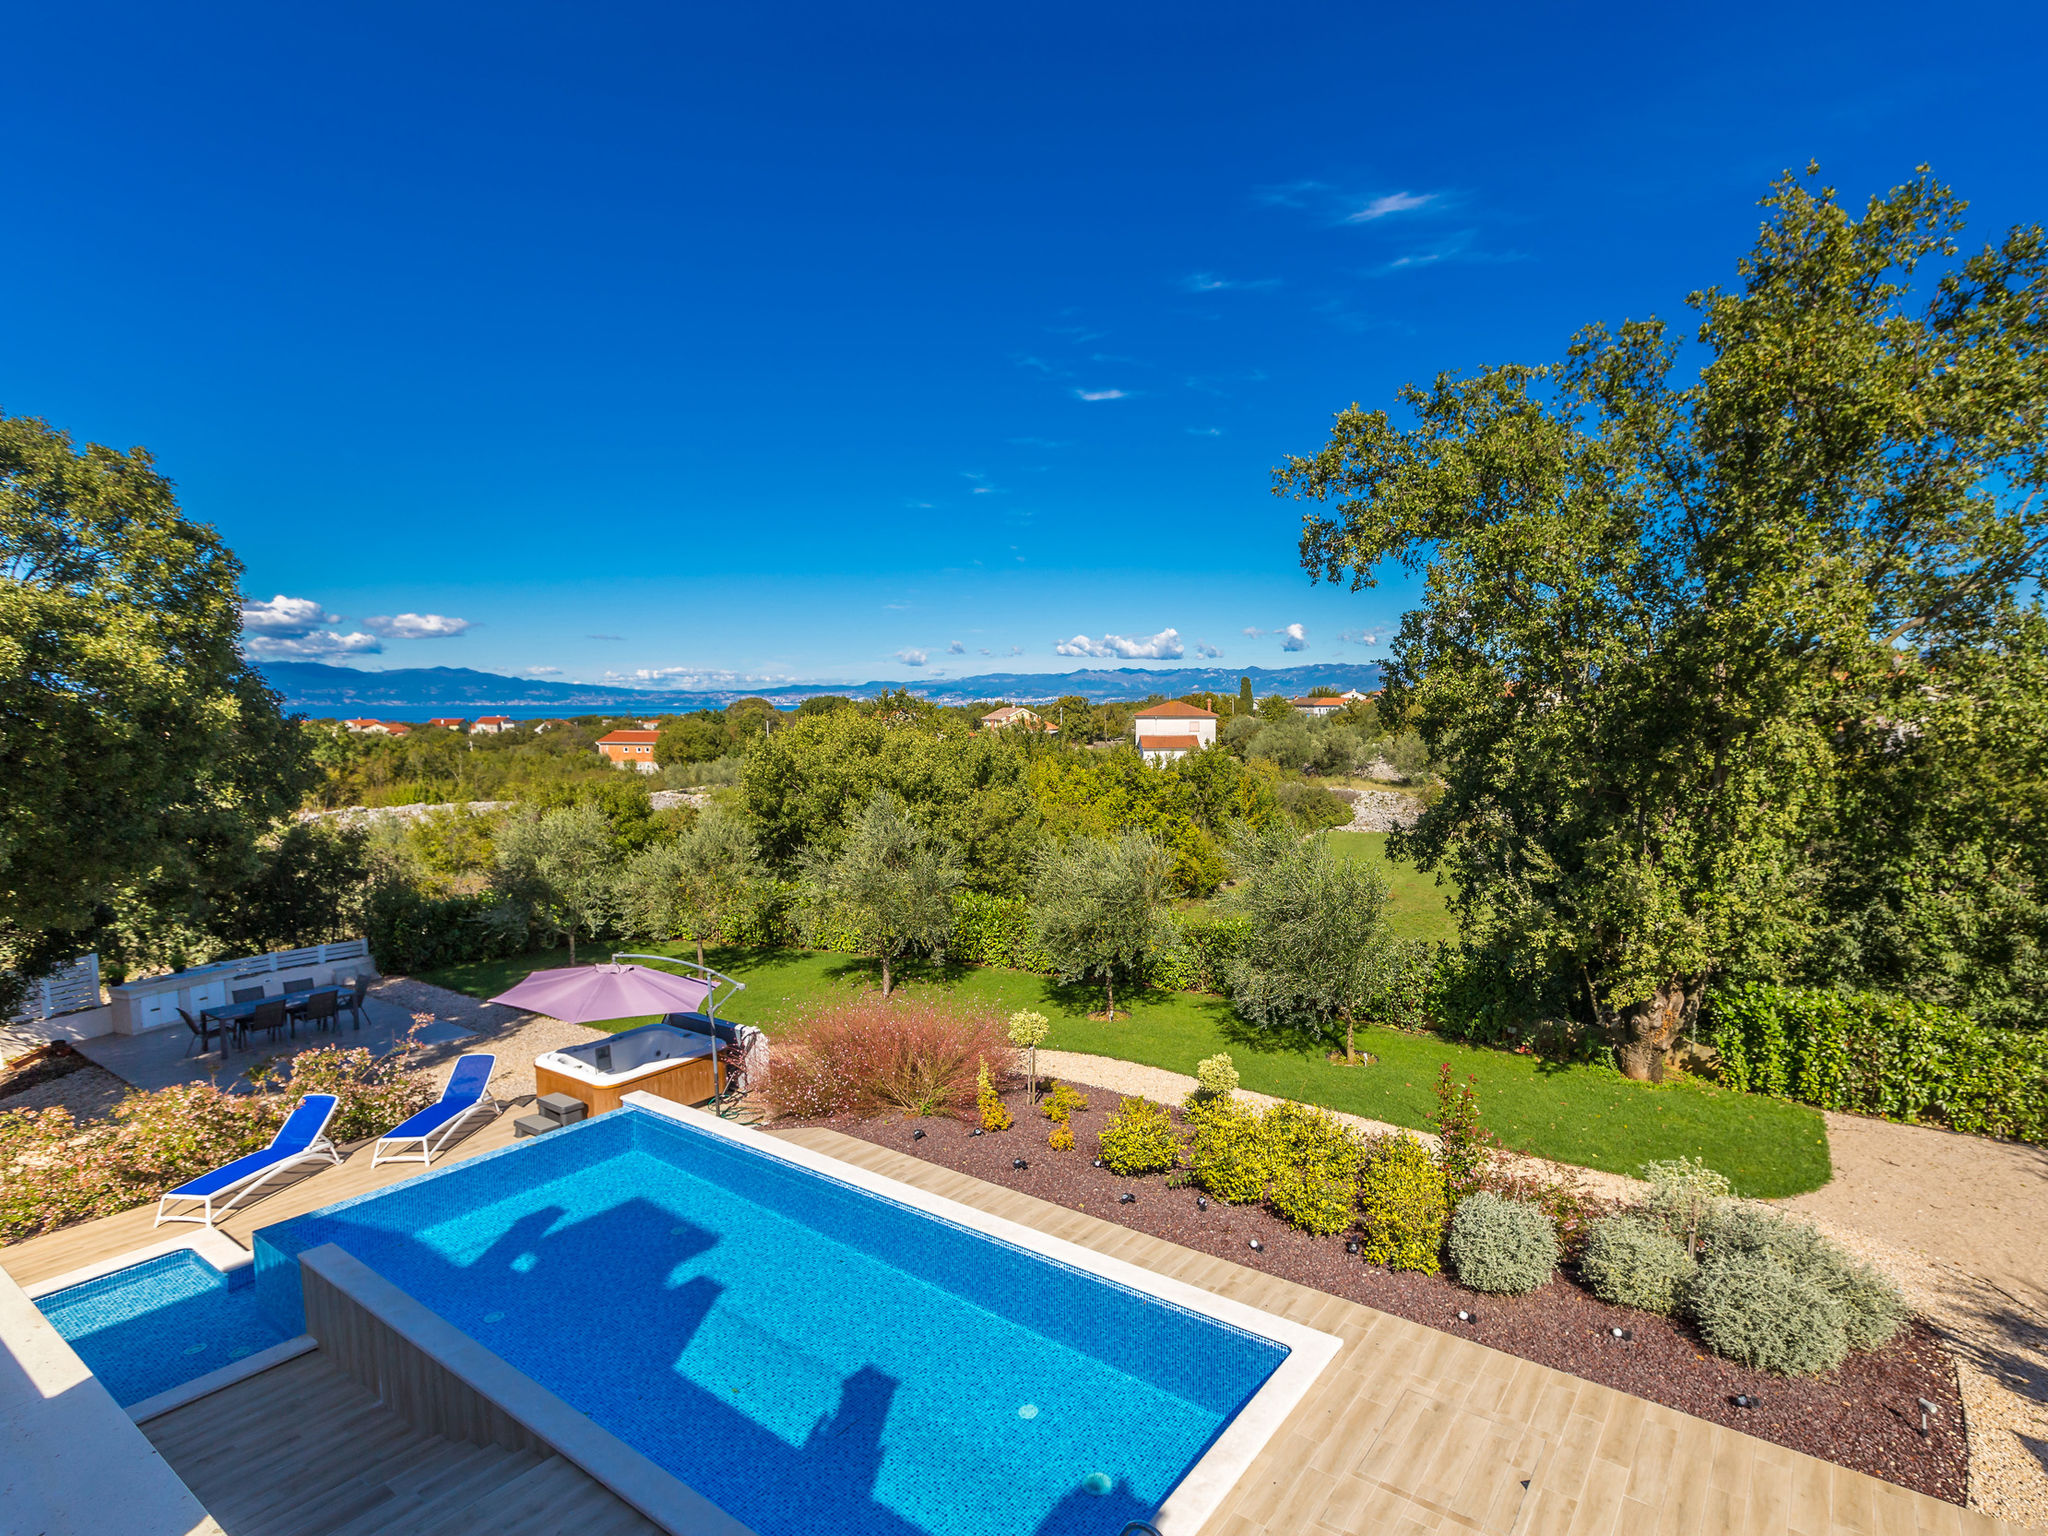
(1764, 1291)
(1879, 1055)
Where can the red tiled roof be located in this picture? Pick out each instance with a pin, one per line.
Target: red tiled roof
(1173, 708)
(494, 720)
(1168, 743)
(1319, 701)
(620, 738)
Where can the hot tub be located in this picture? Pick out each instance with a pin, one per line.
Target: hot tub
(674, 1059)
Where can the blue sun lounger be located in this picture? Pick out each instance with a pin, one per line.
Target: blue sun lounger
(302, 1138)
(421, 1138)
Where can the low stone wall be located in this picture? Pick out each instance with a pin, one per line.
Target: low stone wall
(1380, 810)
(366, 815)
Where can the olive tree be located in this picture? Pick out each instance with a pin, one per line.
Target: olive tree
(1098, 908)
(683, 886)
(1660, 581)
(893, 881)
(564, 865)
(1314, 953)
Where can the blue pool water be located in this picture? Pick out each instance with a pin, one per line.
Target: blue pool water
(161, 1323)
(807, 1355)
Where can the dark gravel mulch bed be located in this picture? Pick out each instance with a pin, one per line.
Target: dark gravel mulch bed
(45, 1064)
(1864, 1416)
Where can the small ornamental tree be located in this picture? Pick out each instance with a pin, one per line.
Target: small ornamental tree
(1098, 908)
(895, 882)
(1316, 944)
(1028, 1031)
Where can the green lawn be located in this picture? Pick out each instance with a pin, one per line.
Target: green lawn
(1416, 906)
(1590, 1116)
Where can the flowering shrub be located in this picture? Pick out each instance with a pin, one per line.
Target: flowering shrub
(871, 1057)
(376, 1092)
(54, 1171)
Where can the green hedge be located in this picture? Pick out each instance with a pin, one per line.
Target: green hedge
(411, 932)
(1878, 1055)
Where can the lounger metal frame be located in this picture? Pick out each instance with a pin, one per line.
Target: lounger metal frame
(431, 1142)
(317, 1149)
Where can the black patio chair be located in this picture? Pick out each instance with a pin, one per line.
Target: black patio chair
(359, 988)
(203, 1029)
(323, 1009)
(247, 995)
(270, 1015)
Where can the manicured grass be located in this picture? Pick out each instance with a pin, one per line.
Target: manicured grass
(1416, 907)
(1590, 1116)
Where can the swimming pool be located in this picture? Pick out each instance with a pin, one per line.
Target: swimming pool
(803, 1352)
(159, 1324)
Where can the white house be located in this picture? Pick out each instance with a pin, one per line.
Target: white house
(1319, 707)
(1172, 730)
(490, 725)
(1017, 715)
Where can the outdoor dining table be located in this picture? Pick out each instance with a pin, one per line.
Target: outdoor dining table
(229, 1014)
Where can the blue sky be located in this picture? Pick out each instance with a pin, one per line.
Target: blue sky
(679, 343)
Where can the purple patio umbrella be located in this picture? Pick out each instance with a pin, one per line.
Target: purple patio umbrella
(590, 994)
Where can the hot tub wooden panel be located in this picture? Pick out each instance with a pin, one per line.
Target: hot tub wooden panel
(686, 1082)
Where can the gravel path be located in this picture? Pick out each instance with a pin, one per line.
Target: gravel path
(90, 1092)
(516, 1037)
(1961, 1222)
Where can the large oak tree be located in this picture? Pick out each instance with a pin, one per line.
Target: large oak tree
(141, 757)
(1664, 583)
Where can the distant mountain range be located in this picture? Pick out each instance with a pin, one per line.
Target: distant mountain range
(316, 689)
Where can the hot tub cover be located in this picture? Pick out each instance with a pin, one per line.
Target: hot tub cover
(587, 994)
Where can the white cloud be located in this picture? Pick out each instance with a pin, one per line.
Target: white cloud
(289, 617)
(1252, 632)
(693, 677)
(1358, 637)
(541, 671)
(1203, 431)
(1164, 646)
(416, 626)
(1016, 650)
(322, 645)
(1393, 202)
(986, 651)
(1209, 282)
(955, 648)
(1204, 649)
(912, 658)
(293, 629)
(1293, 638)
(1100, 394)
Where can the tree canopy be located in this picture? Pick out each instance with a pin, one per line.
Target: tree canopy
(1658, 606)
(1098, 906)
(141, 757)
(1315, 949)
(895, 883)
